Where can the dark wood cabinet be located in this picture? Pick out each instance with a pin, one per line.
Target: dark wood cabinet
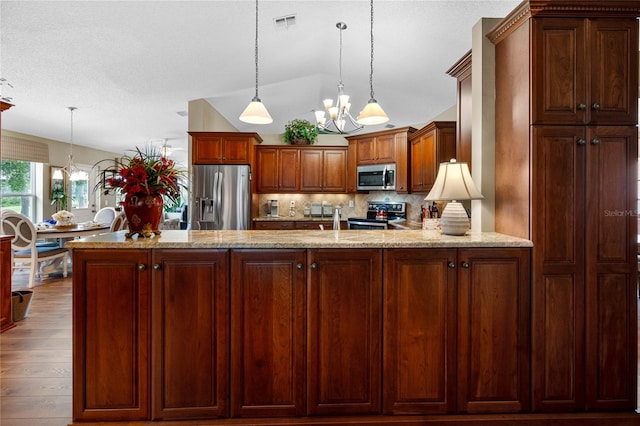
(223, 147)
(277, 169)
(323, 170)
(461, 70)
(6, 270)
(584, 70)
(268, 326)
(190, 334)
(387, 146)
(461, 319)
(111, 335)
(433, 144)
(344, 331)
(296, 224)
(566, 178)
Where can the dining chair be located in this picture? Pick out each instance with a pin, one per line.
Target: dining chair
(119, 223)
(105, 215)
(24, 249)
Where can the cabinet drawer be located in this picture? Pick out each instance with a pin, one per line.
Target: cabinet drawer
(275, 225)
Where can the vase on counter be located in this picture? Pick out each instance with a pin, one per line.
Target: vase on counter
(144, 213)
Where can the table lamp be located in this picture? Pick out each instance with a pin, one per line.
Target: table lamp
(454, 184)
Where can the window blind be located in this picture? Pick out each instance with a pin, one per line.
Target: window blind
(24, 150)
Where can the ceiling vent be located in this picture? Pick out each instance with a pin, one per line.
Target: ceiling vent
(283, 23)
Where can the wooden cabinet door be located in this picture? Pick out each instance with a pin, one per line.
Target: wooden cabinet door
(190, 340)
(385, 149)
(614, 71)
(366, 150)
(344, 331)
(207, 149)
(267, 170)
(311, 170)
(558, 192)
(111, 334)
(288, 170)
(268, 323)
(493, 330)
(417, 164)
(6, 269)
(419, 329)
(236, 150)
(334, 171)
(611, 268)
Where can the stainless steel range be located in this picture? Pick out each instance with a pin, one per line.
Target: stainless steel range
(379, 214)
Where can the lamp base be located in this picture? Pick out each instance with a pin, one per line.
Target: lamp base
(454, 220)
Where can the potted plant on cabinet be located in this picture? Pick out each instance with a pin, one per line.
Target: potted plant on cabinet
(300, 132)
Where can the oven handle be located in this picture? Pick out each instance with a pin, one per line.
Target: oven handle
(368, 225)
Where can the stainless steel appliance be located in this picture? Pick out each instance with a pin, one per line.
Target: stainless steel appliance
(273, 208)
(376, 177)
(222, 197)
(379, 214)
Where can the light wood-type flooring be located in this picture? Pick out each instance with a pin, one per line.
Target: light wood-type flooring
(35, 359)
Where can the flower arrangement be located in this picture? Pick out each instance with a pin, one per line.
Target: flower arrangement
(62, 216)
(300, 132)
(145, 172)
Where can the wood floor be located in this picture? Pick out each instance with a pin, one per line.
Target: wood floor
(35, 359)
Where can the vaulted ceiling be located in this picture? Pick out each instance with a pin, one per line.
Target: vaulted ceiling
(131, 67)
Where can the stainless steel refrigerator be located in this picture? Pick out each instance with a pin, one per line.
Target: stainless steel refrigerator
(221, 197)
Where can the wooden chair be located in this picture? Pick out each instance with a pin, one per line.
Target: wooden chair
(119, 223)
(23, 244)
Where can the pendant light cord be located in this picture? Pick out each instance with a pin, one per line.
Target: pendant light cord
(256, 55)
(341, 26)
(71, 109)
(371, 63)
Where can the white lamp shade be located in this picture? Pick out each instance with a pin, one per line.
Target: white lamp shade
(372, 114)
(256, 113)
(453, 183)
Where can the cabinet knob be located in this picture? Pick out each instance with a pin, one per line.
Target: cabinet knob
(582, 106)
(465, 265)
(156, 267)
(142, 267)
(451, 265)
(582, 141)
(299, 266)
(314, 266)
(595, 141)
(595, 107)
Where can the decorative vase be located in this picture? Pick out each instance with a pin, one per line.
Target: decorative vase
(144, 213)
(301, 141)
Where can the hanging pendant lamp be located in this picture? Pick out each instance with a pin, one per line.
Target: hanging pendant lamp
(70, 168)
(372, 113)
(256, 112)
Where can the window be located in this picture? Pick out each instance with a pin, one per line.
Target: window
(18, 187)
(80, 190)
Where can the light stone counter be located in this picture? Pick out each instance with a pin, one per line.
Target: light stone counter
(265, 239)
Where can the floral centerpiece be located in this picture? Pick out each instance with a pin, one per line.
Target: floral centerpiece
(63, 218)
(146, 179)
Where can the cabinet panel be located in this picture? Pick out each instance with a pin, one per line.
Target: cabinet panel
(276, 224)
(190, 341)
(493, 330)
(111, 335)
(431, 145)
(366, 150)
(223, 147)
(6, 270)
(344, 332)
(207, 149)
(419, 345)
(311, 170)
(268, 323)
(334, 171)
(288, 169)
(267, 171)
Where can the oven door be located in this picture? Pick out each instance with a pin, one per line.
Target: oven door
(366, 224)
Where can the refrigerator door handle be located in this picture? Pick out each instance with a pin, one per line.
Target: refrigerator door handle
(218, 189)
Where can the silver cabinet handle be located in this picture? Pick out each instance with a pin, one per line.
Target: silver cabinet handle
(595, 141)
(595, 107)
(582, 106)
(299, 266)
(314, 266)
(156, 267)
(142, 267)
(465, 265)
(451, 265)
(582, 141)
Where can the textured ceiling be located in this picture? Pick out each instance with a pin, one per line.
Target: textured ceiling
(131, 66)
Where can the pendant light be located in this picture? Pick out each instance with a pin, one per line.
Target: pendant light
(372, 113)
(256, 112)
(71, 169)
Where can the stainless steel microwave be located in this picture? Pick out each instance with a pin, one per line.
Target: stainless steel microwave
(377, 177)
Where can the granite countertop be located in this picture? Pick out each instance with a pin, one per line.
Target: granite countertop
(266, 239)
(295, 218)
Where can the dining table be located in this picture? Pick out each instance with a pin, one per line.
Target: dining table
(65, 233)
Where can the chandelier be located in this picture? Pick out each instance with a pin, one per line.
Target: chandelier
(70, 168)
(340, 119)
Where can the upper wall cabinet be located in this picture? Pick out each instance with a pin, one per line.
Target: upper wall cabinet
(387, 146)
(461, 70)
(430, 146)
(584, 70)
(223, 147)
